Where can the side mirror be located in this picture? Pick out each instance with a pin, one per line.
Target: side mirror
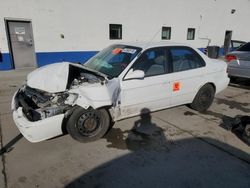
(137, 74)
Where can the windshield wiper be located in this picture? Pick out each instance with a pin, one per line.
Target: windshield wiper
(96, 72)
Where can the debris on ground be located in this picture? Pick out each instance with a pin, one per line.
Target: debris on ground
(239, 125)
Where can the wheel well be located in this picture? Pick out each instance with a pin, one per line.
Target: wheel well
(212, 84)
(66, 118)
(112, 122)
(208, 83)
(107, 109)
(64, 126)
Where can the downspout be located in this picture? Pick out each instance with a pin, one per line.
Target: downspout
(203, 38)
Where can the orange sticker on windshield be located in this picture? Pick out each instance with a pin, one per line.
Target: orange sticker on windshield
(176, 86)
(116, 51)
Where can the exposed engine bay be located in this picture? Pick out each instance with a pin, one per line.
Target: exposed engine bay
(38, 104)
(78, 76)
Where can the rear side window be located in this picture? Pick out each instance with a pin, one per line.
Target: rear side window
(245, 47)
(184, 58)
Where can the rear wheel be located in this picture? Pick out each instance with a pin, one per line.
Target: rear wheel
(88, 125)
(247, 130)
(203, 98)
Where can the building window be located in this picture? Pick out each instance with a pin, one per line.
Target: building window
(190, 34)
(115, 31)
(166, 33)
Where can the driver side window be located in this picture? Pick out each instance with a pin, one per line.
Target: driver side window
(152, 62)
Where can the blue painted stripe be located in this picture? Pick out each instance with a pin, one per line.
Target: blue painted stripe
(202, 50)
(221, 52)
(5, 64)
(45, 58)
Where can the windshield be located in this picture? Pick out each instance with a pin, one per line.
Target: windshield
(113, 60)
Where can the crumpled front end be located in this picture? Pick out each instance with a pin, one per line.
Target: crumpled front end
(38, 114)
(40, 107)
(39, 130)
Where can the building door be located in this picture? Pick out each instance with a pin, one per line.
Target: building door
(228, 37)
(21, 43)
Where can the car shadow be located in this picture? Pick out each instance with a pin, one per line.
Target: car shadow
(243, 83)
(145, 135)
(157, 161)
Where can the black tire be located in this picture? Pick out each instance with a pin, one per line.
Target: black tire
(204, 98)
(247, 130)
(88, 125)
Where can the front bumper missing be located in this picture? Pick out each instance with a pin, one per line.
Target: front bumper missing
(38, 130)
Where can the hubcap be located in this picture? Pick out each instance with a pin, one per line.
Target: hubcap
(90, 124)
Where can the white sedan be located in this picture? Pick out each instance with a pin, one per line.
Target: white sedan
(117, 83)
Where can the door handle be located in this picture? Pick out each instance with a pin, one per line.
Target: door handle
(166, 82)
(30, 42)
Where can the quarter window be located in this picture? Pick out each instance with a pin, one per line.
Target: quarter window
(184, 58)
(115, 31)
(166, 33)
(152, 62)
(190, 34)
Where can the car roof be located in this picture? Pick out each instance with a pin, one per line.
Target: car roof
(146, 45)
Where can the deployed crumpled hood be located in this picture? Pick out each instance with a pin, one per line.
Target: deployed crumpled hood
(51, 78)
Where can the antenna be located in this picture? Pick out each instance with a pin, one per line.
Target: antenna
(157, 32)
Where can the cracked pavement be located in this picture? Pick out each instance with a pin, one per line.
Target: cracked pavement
(177, 147)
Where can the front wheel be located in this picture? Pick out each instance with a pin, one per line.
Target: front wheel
(88, 125)
(203, 98)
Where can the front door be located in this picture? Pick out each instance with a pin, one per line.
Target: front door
(153, 91)
(21, 43)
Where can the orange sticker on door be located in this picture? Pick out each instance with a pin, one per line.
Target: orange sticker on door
(176, 86)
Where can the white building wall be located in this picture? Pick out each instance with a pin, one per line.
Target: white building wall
(85, 23)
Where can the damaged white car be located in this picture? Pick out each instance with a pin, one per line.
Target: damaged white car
(117, 83)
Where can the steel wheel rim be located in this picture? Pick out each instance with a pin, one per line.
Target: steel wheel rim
(88, 124)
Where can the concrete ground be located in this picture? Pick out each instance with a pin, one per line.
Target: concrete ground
(177, 147)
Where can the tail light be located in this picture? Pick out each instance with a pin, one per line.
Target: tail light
(229, 58)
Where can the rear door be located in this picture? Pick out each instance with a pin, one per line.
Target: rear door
(188, 69)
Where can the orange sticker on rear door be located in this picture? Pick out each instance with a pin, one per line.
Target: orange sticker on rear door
(176, 86)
